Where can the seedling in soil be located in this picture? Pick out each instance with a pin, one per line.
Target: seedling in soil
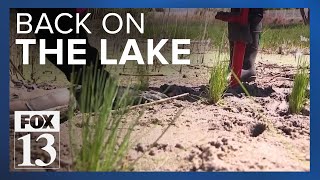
(298, 96)
(104, 138)
(218, 80)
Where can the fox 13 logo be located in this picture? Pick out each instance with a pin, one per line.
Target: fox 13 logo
(36, 139)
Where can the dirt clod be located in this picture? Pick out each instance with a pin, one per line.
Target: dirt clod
(152, 153)
(286, 130)
(179, 146)
(215, 144)
(305, 111)
(139, 148)
(224, 141)
(258, 129)
(177, 104)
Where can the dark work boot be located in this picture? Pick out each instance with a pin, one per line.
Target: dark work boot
(248, 72)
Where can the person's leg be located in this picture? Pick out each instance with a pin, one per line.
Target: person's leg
(249, 70)
(230, 34)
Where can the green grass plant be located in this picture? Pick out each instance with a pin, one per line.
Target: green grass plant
(298, 96)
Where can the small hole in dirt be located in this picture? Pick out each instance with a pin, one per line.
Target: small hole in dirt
(257, 129)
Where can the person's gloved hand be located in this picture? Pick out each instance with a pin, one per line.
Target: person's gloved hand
(222, 15)
(227, 16)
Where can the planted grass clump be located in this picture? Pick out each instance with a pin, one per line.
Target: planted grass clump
(218, 80)
(103, 139)
(298, 96)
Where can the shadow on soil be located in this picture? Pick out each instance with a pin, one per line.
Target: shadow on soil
(196, 93)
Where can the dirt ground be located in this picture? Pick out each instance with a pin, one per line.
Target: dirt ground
(238, 134)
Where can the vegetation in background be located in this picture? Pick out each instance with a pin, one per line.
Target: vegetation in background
(289, 36)
(194, 31)
(196, 27)
(272, 36)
